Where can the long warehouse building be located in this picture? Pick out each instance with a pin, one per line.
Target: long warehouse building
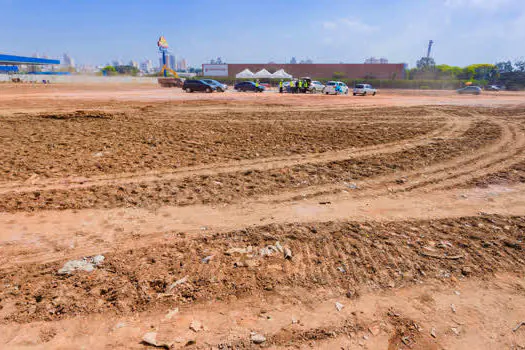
(10, 63)
(314, 70)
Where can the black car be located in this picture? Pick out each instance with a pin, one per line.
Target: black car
(198, 85)
(473, 90)
(248, 86)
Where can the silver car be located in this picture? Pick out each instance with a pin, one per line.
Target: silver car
(364, 89)
(471, 90)
(316, 87)
(220, 86)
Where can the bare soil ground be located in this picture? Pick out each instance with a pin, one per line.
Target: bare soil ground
(333, 222)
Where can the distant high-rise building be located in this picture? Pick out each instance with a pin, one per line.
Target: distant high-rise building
(146, 66)
(134, 64)
(373, 60)
(68, 61)
(183, 64)
(173, 62)
(293, 60)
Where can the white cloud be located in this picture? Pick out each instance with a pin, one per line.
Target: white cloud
(329, 25)
(349, 24)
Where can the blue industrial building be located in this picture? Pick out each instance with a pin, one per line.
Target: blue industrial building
(10, 63)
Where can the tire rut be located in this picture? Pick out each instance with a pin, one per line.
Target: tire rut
(446, 175)
(450, 129)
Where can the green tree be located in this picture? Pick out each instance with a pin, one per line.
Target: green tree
(426, 64)
(504, 67)
(482, 71)
(520, 66)
(444, 72)
(109, 70)
(127, 70)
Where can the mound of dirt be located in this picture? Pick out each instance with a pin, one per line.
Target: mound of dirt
(78, 115)
(337, 255)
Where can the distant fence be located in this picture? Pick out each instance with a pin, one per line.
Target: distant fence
(72, 79)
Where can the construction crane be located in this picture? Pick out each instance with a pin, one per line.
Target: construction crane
(430, 43)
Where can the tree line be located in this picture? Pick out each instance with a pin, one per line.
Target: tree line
(508, 74)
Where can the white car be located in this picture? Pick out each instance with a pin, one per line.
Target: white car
(364, 89)
(332, 87)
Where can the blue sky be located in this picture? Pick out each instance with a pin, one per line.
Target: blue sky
(96, 32)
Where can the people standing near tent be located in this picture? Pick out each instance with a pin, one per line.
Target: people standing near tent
(292, 86)
(300, 86)
(257, 84)
(281, 86)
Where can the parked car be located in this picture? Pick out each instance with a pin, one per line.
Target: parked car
(331, 88)
(472, 90)
(220, 86)
(493, 88)
(244, 86)
(364, 89)
(315, 87)
(198, 85)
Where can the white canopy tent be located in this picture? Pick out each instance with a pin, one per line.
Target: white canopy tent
(263, 73)
(245, 74)
(281, 74)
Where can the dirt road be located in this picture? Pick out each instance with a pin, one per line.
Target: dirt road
(258, 213)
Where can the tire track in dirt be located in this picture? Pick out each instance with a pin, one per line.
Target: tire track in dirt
(53, 235)
(450, 129)
(507, 151)
(263, 210)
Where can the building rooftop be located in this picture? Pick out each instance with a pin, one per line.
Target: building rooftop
(16, 60)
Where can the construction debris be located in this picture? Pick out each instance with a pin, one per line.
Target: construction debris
(515, 329)
(339, 306)
(453, 308)
(287, 253)
(176, 283)
(207, 259)
(150, 338)
(86, 264)
(258, 338)
(433, 333)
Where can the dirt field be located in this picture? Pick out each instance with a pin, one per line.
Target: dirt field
(326, 222)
